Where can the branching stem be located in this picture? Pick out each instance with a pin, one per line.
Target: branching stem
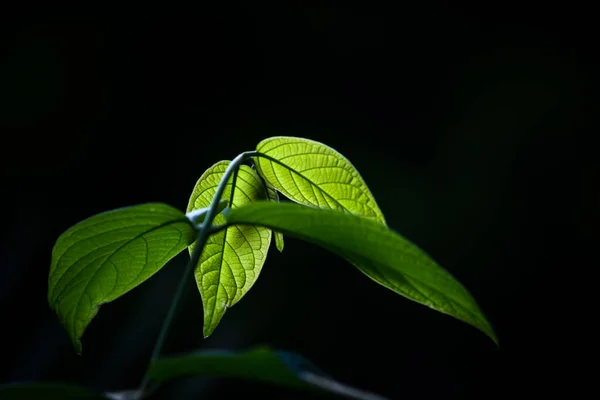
(204, 231)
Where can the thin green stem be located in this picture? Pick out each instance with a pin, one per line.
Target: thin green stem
(233, 180)
(204, 231)
(231, 168)
(198, 246)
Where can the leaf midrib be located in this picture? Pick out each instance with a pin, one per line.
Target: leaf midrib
(75, 229)
(271, 160)
(318, 149)
(224, 242)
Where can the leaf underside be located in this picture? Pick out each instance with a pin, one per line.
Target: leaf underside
(313, 174)
(232, 259)
(381, 254)
(107, 255)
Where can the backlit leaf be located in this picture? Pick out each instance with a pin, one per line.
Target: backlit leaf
(311, 173)
(107, 255)
(233, 258)
(383, 255)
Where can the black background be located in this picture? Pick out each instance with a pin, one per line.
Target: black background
(469, 124)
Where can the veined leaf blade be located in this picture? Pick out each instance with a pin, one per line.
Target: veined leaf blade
(312, 173)
(105, 256)
(232, 259)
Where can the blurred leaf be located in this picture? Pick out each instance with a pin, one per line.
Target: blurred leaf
(47, 391)
(313, 174)
(381, 254)
(105, 256)
(232, 258)
(259, 364)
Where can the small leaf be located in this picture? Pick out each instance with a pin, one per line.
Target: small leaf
(311, 173)
(47, 391)
(260, 364)
(233, 258)
(105, 256)
(381, 254)
(278, 235)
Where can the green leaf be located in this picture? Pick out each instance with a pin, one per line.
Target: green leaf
(383, 255)
(232, 258)
(311, 173)
(258, 364)
(272, 193)
(47, 391)
(105, 256)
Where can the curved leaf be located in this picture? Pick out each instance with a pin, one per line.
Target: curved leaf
(311, 173)
(272, 193)
(258, 364)
(383, 255)
(232, 258)
(107, 255)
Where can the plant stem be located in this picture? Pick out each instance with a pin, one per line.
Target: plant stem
(204, 231)
(268, 157)
(198, 246)
(233, 180)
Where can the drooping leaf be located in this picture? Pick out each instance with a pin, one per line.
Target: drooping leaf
(260, 364)
(311, 173)
(272, 193)
(233, 258)
(105, 256)
(383, 255)
(47, 391)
